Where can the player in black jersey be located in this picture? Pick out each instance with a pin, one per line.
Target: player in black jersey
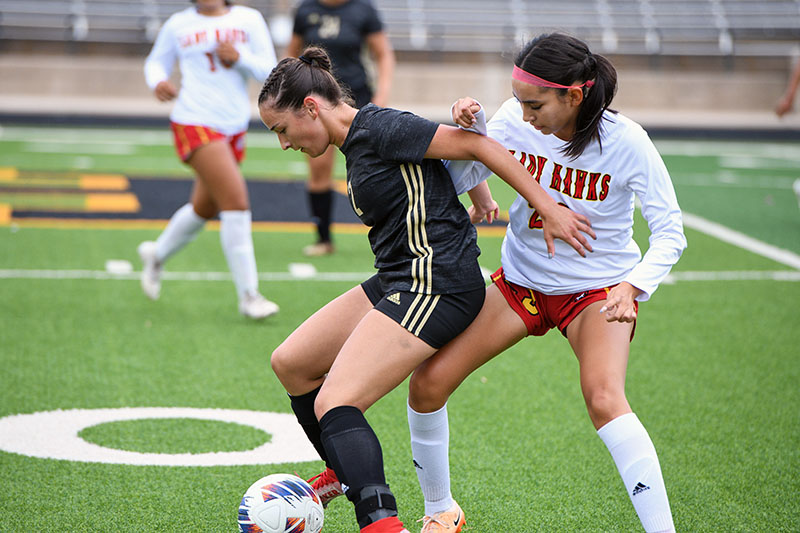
(428, 288)
(343, 28)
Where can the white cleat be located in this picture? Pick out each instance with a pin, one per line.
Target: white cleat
(257, 307)
(151, 270)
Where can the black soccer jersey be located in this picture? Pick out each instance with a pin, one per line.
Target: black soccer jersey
(340, 30)
(420, 233)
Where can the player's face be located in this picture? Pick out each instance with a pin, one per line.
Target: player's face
(296, 129)
(210, 6)
(547, 110)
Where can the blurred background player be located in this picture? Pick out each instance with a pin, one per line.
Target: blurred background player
(218, 47)
(786, 101)
(595, 162)
(342, 28)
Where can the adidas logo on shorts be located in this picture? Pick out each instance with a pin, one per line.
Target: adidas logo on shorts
(394, 298)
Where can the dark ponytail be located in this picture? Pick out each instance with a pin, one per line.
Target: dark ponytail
(568, 61)
(294, 78)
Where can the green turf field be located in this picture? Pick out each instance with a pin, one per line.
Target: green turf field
(714, 368)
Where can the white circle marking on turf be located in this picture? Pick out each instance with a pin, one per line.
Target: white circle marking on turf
(54, 435)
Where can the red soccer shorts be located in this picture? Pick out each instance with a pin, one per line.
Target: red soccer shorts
(189, 138)
(542, 312)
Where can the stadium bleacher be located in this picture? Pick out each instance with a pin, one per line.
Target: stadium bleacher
(666, 27)
(728, 38)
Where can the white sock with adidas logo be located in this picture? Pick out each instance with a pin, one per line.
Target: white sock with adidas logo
(635, 456)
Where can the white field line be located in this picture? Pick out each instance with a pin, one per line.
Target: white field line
(178, 276)
(356, 277)
(741, 240)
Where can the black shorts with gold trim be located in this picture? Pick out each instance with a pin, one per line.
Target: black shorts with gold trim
(434, 318)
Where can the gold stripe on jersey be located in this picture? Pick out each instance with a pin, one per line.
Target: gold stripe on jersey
(422, 265)
(418, 312)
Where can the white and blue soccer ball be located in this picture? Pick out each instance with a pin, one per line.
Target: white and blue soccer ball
(280, 503)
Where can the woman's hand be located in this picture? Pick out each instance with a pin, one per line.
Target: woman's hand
(489, 212)
(619, 306)
(165, 91)
(227, 54)
(463, 111)
(563, 223)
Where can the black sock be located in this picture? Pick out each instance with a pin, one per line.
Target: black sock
(303, 407)
(321, 204)
(355, 455)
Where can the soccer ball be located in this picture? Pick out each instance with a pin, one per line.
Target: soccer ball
(280, 503)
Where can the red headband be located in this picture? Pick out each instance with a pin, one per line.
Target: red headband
(527, 77)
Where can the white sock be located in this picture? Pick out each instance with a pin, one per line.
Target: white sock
(182, 229)
(637, 463)
(237, 244)
(430, 438)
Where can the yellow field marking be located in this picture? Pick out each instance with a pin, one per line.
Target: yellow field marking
(265, 227)
(8, 173)
(115, 203)
(104, 182)
(340, 186)
(5, 214)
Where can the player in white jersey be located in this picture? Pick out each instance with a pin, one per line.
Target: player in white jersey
(596, 162)
(218, 47)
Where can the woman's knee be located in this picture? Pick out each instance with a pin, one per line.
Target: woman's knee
(426, 393)
(283, 363)
(605, 403)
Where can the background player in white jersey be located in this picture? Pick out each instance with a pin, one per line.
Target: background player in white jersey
(428, 288)
(595, 162)
(218, 47)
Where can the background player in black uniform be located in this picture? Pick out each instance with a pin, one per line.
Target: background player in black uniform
(342, 28)
(428, 288)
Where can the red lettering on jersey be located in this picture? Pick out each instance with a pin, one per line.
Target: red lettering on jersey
(531, 164)
(591, 192)
(194, 38)
(567, 181)
(555, 182)
(604, 187)
(522, 158)
(580, 181)
(232, 35)
(540, 161)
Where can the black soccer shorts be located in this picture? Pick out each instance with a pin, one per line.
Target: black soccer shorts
(434, 318)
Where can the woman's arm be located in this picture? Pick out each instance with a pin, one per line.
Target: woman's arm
(383, 55)
(159, 63)
(483, 205)
(559, 222)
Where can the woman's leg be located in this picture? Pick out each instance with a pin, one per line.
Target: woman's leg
(602, 350)
(183, 227)
(304, 358)
(377, 357)
(216, 166)
(320, 200)
(496, 328)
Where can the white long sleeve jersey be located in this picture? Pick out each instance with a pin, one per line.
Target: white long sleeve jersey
(600, 185)
(211, 94)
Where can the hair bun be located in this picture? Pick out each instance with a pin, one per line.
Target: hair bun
(316, 57)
